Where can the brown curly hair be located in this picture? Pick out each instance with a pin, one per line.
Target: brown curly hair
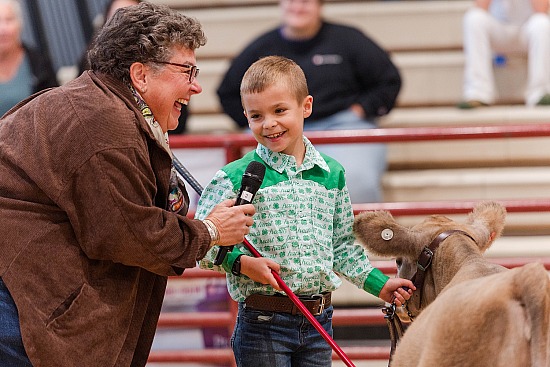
(142, 33)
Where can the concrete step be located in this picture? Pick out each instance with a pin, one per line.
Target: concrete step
(436, 78)
(468, 153)
(467, 184)
(211, 123)
(452, 116)
(497, 183)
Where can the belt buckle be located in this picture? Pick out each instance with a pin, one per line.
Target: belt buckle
(321, 306)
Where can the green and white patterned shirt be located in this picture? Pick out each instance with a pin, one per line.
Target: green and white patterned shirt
(303, 221)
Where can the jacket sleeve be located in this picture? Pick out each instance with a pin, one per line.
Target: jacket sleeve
(111, 203)
(379, 78)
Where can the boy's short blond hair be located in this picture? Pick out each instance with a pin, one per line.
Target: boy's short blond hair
(270, 70)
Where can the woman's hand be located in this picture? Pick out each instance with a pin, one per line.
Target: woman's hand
(232, 222)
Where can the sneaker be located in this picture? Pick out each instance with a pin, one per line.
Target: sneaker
(468, 105)
(544, 101)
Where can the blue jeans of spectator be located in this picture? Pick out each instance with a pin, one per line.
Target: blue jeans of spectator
(365, 163)
(12, 352)
(274, 339)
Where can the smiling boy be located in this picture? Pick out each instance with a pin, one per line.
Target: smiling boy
(302, 228)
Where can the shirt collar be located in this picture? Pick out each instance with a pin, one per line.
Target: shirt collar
(281, 162)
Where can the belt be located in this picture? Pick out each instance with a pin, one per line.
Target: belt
(316, 304)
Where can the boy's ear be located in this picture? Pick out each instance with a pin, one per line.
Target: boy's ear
(308, 106)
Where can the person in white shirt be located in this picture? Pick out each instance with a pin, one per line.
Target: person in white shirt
(506, 27)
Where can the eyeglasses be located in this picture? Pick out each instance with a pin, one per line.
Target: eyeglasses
(193, 70)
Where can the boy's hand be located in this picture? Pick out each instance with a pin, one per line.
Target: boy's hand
(393, 291)
(259, 270)
(232, 222)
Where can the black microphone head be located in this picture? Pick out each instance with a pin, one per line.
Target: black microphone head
(253, 176)
(250, 184)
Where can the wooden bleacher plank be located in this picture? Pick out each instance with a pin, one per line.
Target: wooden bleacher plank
(452, 116)
(467, 183)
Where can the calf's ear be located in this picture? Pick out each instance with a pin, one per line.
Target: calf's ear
(381, 235)
(486, 223)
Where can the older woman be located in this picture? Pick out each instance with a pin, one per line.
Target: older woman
(23, 70)
(93, 215)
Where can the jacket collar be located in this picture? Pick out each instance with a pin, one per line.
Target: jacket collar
(123, 91)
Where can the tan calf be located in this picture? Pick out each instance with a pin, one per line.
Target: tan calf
(471, 312)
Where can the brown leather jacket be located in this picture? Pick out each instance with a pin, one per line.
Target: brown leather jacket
(86, 245)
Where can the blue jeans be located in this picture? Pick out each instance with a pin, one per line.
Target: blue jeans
(12, 352)
(365, 163)
(271, 339)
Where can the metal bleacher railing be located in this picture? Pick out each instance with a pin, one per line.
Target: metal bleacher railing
(234, 145)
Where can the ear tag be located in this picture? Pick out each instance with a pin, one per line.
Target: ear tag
(387, 234)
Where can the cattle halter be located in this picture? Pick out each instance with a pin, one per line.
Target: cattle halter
(423, 262)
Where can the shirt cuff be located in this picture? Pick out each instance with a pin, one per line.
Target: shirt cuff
(375, 282)
(230, 259)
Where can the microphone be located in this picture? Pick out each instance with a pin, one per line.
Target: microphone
(250, 183)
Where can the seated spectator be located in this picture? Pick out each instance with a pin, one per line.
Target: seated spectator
(351, 78)
(494, 27)
(23, 70)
